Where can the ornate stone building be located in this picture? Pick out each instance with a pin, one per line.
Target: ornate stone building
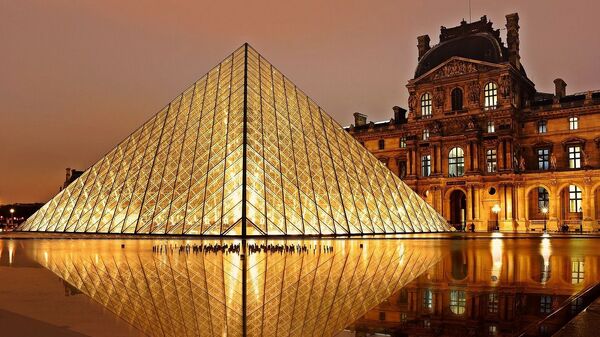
(483, 146)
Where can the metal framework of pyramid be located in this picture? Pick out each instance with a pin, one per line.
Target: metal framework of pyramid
(240, 152)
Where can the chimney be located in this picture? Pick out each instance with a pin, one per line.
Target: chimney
(399, 115)
(360, 119)
(423, 45)
(68, 175)
(512, 39)
(560, 88)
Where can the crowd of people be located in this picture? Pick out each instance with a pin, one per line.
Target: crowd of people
(252, 248)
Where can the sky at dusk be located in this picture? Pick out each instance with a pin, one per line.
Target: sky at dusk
(78, 76)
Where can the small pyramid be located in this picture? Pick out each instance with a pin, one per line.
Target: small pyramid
(242, 151)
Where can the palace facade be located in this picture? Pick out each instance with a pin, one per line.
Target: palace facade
(483, 146)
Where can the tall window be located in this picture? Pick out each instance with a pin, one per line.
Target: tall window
(491, 128)
(456, 162)
(490, 96)
(402, 142)
(401, 169)
(425, 134)
(543, 159)
(542, 126)
(458, 301)
(426, 104)
(491, 160)
(457, 99)
(545, 304)
(574, 156)
(575, 197)
(573, 123)
(543, 198)
(493, 303)
(426, 165)
(428, 299)
(577, 271)
(381, 144)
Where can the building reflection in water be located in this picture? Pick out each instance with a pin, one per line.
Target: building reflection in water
(491, 287)
(183, 292)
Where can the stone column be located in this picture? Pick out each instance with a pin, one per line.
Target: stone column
(409, 167)
(469, 207)
(521, 206)
(475, 155)
(469, 166)
(433, 160)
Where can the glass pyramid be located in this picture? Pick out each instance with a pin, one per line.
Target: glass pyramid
(241, 152)
(174, 293)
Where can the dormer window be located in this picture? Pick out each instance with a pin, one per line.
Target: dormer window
(542, 126)
(426, 105)
(573, 123)
(457, 99)
(490, 94)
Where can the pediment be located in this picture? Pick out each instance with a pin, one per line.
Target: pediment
(457, 66)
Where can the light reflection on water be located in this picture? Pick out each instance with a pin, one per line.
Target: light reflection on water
(479, 287)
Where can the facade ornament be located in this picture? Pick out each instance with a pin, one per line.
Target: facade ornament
(472, 124)
(436, 128)
(586, 158)
(412, 100)
(454, 68)
(587, 180)
(505, 86)
(553, 161)
(474, 92)
(439, 97)
(522, 166)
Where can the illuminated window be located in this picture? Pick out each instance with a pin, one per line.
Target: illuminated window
(428, 299)
(543, 159)
(402, 142)
(575, 199)
(426, 165)
(542, 127)
(491, 160)
(381, 144)
(456, 162)
(425, 134)
(490, 94)
(457, 99)
(458, 302)
(493, 302)
(491, 128)
(426, 105)
(574, 156)
(573, 123)
(577, 271)
(543, 198)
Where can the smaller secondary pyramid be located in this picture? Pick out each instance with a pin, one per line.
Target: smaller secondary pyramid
(240, 152)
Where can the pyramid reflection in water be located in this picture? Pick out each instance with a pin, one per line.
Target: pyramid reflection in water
(242, 151)
(314, 293)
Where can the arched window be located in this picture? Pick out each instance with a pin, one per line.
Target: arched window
(457, 99)
(490, 94)
(456, 162)
(426, 104)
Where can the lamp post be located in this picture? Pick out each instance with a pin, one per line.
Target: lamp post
(12, 216)
(496, 210)
(545, 212)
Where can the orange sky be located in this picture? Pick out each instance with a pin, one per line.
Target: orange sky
(78, 76)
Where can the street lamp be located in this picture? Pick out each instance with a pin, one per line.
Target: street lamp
(12, 216)
(545, 212)
(496, 210)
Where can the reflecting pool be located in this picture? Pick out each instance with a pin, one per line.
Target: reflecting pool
(395, 287)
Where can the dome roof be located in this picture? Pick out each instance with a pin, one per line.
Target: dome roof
(480, 46)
